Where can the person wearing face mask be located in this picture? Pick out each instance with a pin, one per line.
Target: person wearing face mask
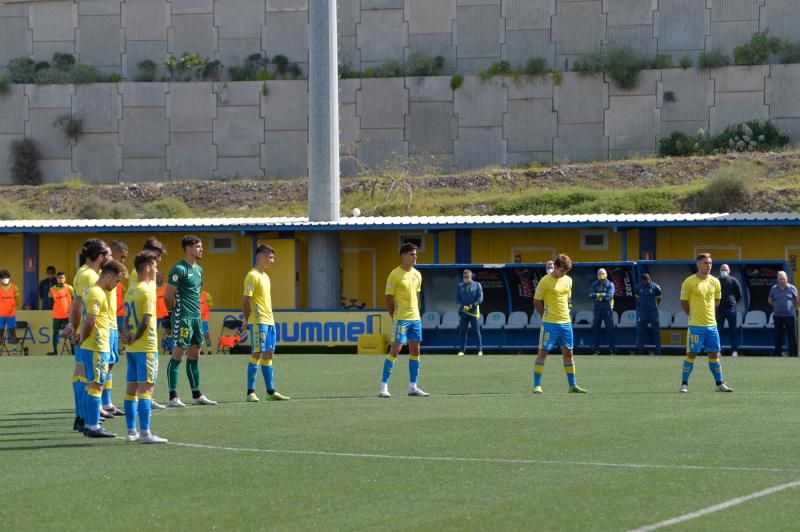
(726, 312)
(602, 294)
(469, 297)
(549, 267)
(783, 298)
(10, 300)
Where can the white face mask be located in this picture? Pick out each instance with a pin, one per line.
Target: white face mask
(6, 280)
(723, 274)
(550, 270)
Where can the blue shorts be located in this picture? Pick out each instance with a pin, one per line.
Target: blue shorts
(97, 366)
(703, 338)
(553, 334)
(120, 322)
(142, 367)
(79, 356)
(113, 341)
(8, 322)
(407, 331)
(205, 327)
(262, 338)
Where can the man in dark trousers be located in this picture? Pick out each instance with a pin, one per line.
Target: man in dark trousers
(726, 311)
(648, 296)
(469, 298)
(44, 288)
(602, 294)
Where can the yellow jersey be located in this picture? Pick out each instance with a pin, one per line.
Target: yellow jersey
(405, 287)
(258, 288)
(96, 304)
(555, 295)
(141, 300)
(84, 279)
(112, 307)
(702, 295)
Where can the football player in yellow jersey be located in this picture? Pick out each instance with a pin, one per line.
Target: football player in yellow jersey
(151, 244)
(402, 301)
(257, 312)
(93, 255)
(119, 252)
(700, 297)
(94, 339)
(141, 336)
(552, 302)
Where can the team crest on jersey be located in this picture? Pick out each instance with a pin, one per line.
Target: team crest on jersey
(249, 288)
(175, 277)
(97, 307)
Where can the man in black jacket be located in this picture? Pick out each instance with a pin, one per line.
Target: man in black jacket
(726, 312)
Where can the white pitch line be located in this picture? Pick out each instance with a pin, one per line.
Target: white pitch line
(717, 507)
(516, 461)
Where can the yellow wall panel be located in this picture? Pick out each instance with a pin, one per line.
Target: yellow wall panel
(725, 243)
(282, 273)
(11, 257)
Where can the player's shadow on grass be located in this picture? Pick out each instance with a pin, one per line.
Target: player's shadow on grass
(44, 412)
(42, 447)
(14, 440)
(61, 431)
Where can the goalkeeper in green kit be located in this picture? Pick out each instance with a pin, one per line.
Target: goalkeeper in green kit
(182, 297)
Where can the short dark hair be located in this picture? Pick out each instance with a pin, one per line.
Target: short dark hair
(563, 261)
(264, 248)
(114, 267)
(143, 258)
(152, 244)
(702, 256)
(189, 240)
(60, 274)
(466, 270)
(645, 277)
(4, 274)
(119, 245)
(51, 269)
(408, 247)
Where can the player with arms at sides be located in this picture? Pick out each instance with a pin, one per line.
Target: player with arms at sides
(93, 255)
(116, 306)
(141, 335)
(402, 301)
(182, 296)
(257, 311)
(700, 297)
(552, 302)
(94, 336)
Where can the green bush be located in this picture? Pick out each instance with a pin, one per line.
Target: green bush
(5, 86)
(661, 61)
(25, 157)
(281, 63)
(41, 65)
(622, 65)
(248, 71)
(758, 50)
(500, 68)
(730, 190)
(421, 64)
(94, 208)
(209, 70)
(536, 66)
(84, 74)
(167, 208)
(713, 60)
(346, 71)
(756, 135)
(456, 81)
(63, 61)
(147, 70)
(22, 70)
(293, 71)
(71, 127)
(264, 75)
(11, 210)
(790, 52)
(593, 63)
(114, 78)
(686, 62)
(52, 76)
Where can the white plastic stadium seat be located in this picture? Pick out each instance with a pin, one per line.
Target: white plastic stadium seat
(628, 319)
(583, 319)
(495, 320)
(536, 321)
(430, 320)
(681, 320)
(517, 320)
(755, 319)
(450, 321)
(664, 318)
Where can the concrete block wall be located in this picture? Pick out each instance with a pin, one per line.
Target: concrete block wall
(115, 35)
(171, 131)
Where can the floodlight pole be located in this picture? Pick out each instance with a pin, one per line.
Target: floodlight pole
(323, 154)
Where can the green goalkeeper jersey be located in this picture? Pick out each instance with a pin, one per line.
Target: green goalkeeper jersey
(187, 280)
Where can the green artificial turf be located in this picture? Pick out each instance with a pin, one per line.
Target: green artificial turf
(480, 453)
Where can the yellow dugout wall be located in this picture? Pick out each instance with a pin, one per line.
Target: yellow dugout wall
(367, 256)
